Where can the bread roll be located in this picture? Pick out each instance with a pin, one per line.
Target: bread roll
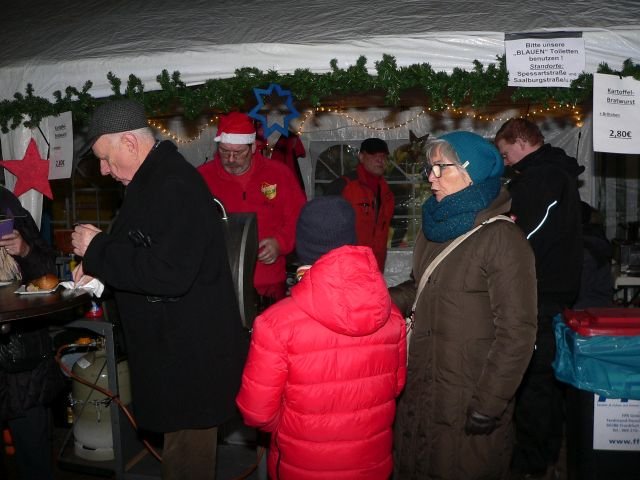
(46, 282)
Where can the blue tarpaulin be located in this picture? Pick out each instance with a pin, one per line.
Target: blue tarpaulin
(606, 365)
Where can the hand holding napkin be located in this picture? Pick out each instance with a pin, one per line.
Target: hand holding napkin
(94, 286)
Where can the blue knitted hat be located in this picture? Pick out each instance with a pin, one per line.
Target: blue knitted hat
(484, 159)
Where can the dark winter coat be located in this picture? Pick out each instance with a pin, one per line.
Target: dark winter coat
(42, 257)
(475, 328)
(23, 390)
(546, 204)
(165, 259)
(596, 282)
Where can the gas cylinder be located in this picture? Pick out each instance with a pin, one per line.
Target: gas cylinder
(92, 433)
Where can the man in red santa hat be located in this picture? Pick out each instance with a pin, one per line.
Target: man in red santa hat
(246, 181)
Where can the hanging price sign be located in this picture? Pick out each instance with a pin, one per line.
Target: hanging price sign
(616, 114)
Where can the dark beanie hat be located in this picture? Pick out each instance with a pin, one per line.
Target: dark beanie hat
(114, 117)
(374, 145)
(325, 223)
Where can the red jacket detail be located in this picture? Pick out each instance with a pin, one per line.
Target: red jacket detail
(371, 230)
(273, 193)
(323, 372)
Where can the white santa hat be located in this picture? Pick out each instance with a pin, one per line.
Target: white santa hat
(235, 128)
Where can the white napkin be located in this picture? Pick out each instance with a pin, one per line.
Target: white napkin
(95, 286)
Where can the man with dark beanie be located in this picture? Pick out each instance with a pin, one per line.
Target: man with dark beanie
(369, 195)
(327, 363)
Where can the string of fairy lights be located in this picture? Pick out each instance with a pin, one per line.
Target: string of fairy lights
(179, 139)
(572, 110)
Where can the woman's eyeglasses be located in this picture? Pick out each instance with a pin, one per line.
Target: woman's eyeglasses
(436, 168)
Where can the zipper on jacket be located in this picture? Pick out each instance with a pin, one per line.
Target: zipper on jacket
(244, 195)
(365, 207)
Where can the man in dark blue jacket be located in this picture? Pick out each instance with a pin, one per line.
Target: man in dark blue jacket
(546, 205)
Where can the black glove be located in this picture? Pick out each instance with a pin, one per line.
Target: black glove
(479, 424)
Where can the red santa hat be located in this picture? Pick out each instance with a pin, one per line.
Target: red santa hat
(235, 128)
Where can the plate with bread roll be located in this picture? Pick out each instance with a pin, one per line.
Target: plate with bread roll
(40, 286)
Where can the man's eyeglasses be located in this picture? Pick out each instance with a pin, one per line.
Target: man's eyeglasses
(436, 168)
(226, 154)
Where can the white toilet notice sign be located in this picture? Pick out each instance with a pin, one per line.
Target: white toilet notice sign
(549, 59)
(616, 424)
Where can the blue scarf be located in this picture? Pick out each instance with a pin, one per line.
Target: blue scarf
(455, 214)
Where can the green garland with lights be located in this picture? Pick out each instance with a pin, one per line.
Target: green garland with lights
(477, 87)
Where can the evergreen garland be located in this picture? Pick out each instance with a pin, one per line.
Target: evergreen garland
(478, 88)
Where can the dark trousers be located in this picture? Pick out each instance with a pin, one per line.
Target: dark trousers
(190, 454)
(539, 409)
(32, 439)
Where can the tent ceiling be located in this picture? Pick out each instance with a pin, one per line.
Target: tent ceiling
(56, 44)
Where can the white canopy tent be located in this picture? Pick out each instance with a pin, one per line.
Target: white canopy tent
(55, 44)
(52, 45)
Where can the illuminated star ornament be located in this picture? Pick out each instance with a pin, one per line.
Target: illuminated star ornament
(32, 172)
(288, 103)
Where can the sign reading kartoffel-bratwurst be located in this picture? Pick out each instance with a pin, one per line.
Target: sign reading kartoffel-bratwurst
(616, 114)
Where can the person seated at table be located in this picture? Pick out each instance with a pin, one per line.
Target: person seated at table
(29, 376)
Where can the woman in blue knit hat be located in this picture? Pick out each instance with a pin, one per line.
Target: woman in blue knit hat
(474, 320)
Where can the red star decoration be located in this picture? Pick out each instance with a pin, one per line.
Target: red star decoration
(31, 172)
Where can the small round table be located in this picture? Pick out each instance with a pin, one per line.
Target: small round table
(16, 307)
